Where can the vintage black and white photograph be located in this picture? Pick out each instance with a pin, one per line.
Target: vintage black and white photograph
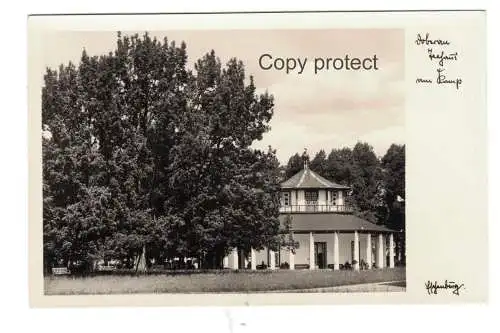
(223, 161)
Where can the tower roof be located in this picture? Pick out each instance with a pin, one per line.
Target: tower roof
(331, 222)
(306, 178)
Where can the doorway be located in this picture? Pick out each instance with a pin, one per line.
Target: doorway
(320, 254)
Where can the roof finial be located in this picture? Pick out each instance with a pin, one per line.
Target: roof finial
(305, 159)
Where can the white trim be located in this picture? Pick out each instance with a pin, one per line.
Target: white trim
(272, 259)
(253, 259)
(336, 257)
(391, 250)
(369, 259)
(356, 251)
(301, 180)
(235, 263)
(312, 260)
(380, 251)
(319, 180)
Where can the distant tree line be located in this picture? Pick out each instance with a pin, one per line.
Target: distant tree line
(376, 183)
(144, 159)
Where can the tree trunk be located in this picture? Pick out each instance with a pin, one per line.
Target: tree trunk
(219, 258)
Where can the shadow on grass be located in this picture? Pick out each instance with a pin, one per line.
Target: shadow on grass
(162, 272)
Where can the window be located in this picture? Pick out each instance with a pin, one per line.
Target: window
(334, 198)
(286, 198)
(311, 197)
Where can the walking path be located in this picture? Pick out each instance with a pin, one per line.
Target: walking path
(391, 286)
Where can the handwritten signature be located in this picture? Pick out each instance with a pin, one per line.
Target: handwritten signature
(433, 287)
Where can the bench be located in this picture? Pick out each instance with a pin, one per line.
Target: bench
(60, 271)
(106, 268)
(158, 267)
(301, 266)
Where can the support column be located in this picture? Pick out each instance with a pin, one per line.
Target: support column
(369, 251)
(312, 262)
(291, 259)
(380, 251)
(272, 260)
(336, 263)
(399, 252)
(235, 263)
(253, 259)
(225, 263)
(356, 251)
(391, 250)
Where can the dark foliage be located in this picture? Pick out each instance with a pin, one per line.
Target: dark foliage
(144, 160)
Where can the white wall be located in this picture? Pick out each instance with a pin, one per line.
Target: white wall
(302, 253)
(340, 198)
(322, 197)
(261, 256)
(230, 262)
(301, 197)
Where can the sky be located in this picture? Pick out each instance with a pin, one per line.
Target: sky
(327, 110)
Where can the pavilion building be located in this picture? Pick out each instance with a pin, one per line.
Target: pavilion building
(329, 235)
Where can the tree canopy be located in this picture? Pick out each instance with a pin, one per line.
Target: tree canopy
(144, 158)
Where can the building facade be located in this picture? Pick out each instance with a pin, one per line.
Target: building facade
(328, 234)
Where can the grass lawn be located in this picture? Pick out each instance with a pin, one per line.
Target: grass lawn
(216, 281)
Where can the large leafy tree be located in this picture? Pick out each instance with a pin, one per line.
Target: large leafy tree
(294, 165)
(367, 185)
(151, 95)
(226, 192)
(319, 163)
(77, 210)
(393, 164)
(145, 159)
(340, 166)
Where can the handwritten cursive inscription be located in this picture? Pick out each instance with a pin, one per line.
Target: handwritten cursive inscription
(420, 80)
(427, 41)
(442, 57)
(438, 53)
(434, 287)
(442, 79)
